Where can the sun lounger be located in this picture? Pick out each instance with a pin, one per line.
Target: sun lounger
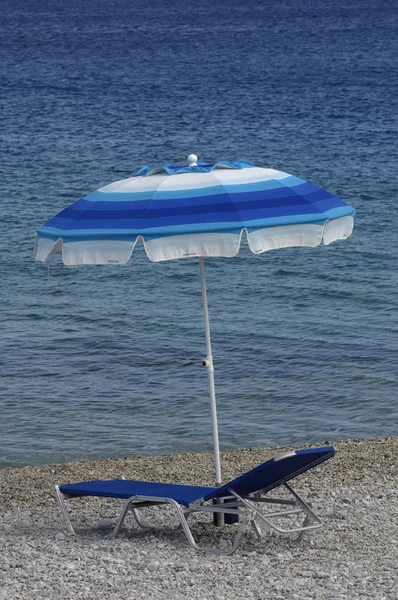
(238, 498)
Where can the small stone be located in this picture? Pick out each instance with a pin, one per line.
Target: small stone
(105, 523)
(153, 565)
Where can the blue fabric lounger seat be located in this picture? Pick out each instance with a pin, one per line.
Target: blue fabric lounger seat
(125, 488)
(239, 497)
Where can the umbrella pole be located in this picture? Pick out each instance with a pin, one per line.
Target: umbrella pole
(208, 362)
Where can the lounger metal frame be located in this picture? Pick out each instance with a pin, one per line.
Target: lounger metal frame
(249, 515)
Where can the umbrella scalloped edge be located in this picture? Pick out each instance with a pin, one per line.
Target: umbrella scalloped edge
(222, 244)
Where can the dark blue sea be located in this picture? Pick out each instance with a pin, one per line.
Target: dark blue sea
(105, 361)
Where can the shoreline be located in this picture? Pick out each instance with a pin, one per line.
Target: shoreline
(306, 442)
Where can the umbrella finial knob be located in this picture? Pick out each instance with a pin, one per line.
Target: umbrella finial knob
(192, 160)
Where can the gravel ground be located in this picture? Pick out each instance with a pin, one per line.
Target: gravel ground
(355, 555)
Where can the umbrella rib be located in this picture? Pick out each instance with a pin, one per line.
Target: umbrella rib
(241, 223)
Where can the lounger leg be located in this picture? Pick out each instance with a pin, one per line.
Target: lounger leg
(140, 522)
(182, 517)
(311, 522)
(122, 516)
(138, 519)
(256, 529)
(239, 534)
(305, 524)
(61, 501)
(62, 504)
(310, 516)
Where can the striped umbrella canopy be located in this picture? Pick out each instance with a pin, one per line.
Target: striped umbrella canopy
(195, 210)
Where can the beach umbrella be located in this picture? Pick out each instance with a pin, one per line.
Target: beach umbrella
(195, 210)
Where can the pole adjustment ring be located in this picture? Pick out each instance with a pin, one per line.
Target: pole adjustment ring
(208, 362)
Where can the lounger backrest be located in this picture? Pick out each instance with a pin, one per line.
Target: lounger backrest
(273, 472)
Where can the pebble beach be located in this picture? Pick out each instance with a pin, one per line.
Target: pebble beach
(355, 554)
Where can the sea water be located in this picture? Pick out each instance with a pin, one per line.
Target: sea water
(106, 361)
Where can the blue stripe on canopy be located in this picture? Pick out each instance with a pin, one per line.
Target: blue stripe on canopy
(120, 234)
(108, 203)
(155, 214)
(267, 201)
(227, 208)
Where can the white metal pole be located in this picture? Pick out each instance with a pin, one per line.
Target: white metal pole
(210, 370)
